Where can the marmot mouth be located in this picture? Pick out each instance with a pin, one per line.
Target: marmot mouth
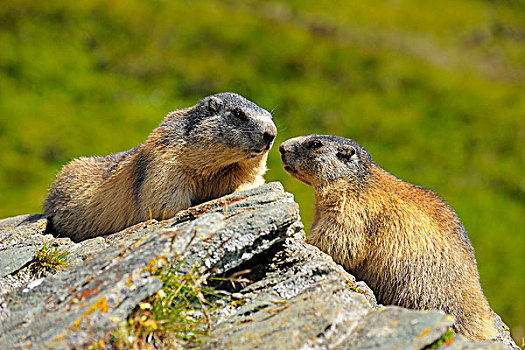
(287, 167)
(257, 152)
(261, 151)
(266, 148)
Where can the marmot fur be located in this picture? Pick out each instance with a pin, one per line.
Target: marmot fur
(196, 154)
(404, 241)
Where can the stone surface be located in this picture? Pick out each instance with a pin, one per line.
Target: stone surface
(504, 332)
(18, 229)
(16, 257)
(300, 296)
(394, 327)
(87, 301)
(289, 295)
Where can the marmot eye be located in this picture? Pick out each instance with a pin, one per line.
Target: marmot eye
(314, 144)
(237, 113)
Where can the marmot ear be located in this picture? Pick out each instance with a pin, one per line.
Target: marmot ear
(215, 104)
(347, 153)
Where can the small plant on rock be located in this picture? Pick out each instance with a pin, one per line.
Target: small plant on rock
(50, 259)
(176, 316)
(446, 339)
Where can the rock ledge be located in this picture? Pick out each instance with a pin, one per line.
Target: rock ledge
(299, 298)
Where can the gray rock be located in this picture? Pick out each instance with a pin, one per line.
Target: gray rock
(16, 257)
(462, 343)
(286, 294)
(21, 222)
(394, 327)
(504, 332)
(86, 301)
(18, 229)
(302, 297)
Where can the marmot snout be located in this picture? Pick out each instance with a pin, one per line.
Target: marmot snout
(404, 241)
(196, 154)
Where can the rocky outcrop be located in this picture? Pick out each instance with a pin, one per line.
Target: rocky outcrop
(297, 297)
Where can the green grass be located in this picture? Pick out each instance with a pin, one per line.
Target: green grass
(49, 258)
(434, 92)
(177, 316)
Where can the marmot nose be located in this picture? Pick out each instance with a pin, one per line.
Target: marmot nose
(268, 139)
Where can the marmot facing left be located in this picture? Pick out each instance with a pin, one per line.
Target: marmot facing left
(196, 154)
(404, 241)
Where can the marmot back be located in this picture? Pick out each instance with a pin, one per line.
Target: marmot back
(196, 154)
(404, 241)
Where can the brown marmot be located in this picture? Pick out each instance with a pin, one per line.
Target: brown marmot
(196, 154)
(404, 241)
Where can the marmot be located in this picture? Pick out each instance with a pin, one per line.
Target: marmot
(196, 154)
(404, 241)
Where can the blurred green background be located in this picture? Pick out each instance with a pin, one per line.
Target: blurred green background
(435, 91)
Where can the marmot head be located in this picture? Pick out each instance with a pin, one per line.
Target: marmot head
(319, 160)
(244, 129)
